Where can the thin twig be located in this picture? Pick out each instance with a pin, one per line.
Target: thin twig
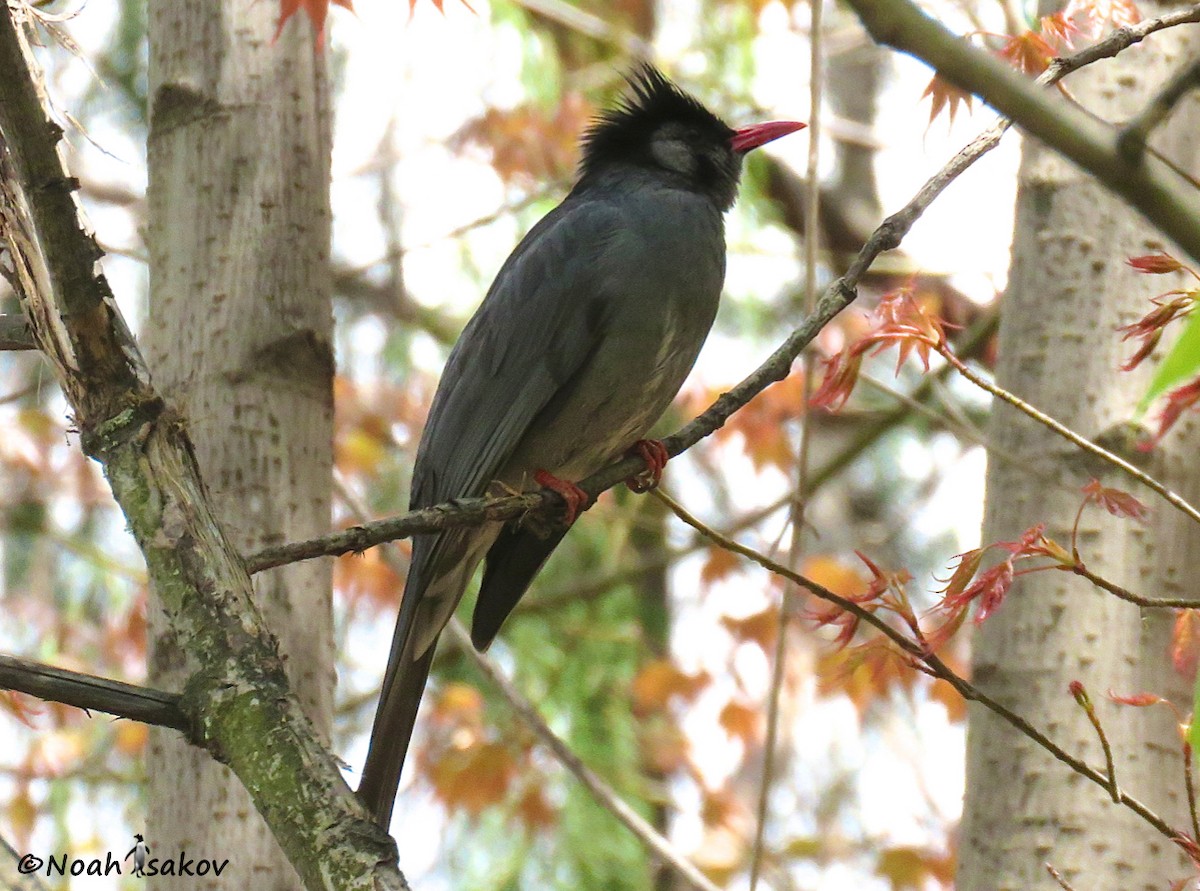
(1125, 594)
(927, 661)
(604, 794)
(1085, 702)
(1189, 783)
(1062, 883)
(589, 25)
(1116, 42)
(812, 243)
(1071, 436)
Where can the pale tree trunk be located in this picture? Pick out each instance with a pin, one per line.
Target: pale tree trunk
(1069, 289)
(238, 338)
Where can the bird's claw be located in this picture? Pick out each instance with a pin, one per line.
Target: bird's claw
(574, 496)
(655, 454)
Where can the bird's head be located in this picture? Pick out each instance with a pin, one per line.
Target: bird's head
(659, 127)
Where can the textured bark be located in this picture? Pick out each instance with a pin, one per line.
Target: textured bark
(238, 341)
(1069, 288)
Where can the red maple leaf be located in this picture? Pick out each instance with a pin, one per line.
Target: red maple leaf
(1115, 501)
(945, 95)
(1179, 400)
(1155, 264)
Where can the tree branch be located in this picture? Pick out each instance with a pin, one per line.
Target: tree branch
(604, 794)
(1116, 42)
(93, 693)
(1132, 139)
(1152, 187)
(928, 661)
(1081, 442)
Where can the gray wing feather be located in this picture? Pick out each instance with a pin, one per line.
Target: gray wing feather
(536, 328)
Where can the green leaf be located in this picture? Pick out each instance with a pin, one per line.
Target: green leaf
(1180, 365)
(1193, 731)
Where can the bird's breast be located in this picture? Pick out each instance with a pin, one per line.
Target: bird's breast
(653, 317)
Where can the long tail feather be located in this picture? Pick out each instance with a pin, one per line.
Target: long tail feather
(390, 736)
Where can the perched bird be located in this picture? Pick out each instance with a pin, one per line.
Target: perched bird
(581, 343)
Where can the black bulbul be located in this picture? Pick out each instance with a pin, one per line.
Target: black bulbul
(581, 343)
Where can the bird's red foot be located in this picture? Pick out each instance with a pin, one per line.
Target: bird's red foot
(574, 496)
(654, 453)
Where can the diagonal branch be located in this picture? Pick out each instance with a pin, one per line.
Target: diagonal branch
(1081, 442)
(929, 662)
(1132, 140)
(1149, 185)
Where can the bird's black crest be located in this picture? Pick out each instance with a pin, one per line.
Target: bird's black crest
(622, 133)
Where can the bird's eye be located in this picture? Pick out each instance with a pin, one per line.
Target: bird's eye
(674, 153)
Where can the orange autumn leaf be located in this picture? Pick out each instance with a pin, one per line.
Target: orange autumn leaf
(721, 807)
(909, 868)
(1137, 700)
(472, 778)
(863, 673)
(740, 721)
(760, 628)
(663, 745)
(659, 681)
(763, 424)
(359, 452)
(527, 144)
(721, 854)
(945, 96)
(1168, 307)
(1030, 53)
(951, 700)
(1059, 30)
(535, 809)
(1104, 13)
(1161, 263)
(720, 563)
(22, 814)
(839, 375)
(1179, 401)
(1117, 502)
(23, 708)
(55, 753)
(367, 576)
(131, 738)
(458, 703)
(835, 574)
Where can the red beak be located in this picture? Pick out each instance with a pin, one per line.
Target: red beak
(760, 134)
